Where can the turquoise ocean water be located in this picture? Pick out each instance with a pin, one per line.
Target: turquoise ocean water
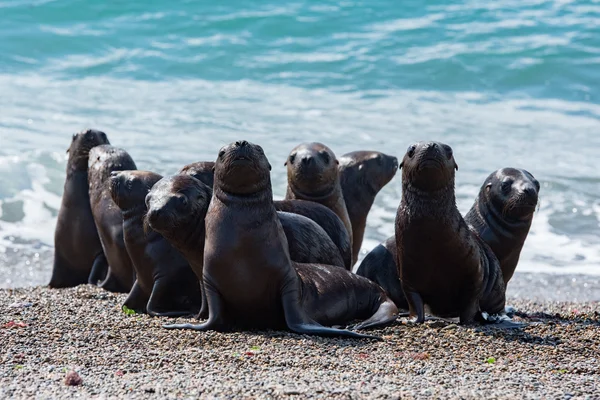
(505, 83)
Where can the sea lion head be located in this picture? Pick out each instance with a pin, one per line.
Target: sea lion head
(512, 192)
(428, 166)
(312, 169)
(128, 189)
(373, 168)
(202, 170)
(174, 201)
(242, 168)
(82, 143)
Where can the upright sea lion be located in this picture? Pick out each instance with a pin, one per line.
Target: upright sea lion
(78, 255)
(201, 170)
(165, 284)
(362, 175)
(249, 279)
(109, 220)
(313, 175)
(503, 212)
(441, 263)
(326, 219)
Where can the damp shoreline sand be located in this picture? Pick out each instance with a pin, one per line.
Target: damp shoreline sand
(47, 333)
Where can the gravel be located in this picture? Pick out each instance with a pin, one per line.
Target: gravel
(77, 342)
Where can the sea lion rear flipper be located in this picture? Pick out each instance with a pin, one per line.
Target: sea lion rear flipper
(385, 314)
(99, 270)
(297, 320)
(137, 299)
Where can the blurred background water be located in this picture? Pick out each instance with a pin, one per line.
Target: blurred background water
(505, 83)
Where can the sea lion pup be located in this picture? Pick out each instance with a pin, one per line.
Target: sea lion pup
(109, 220)
(362, 175)
(249, 279)
(165, 284)
(441, 263)
(201, 170)
(78, 255)
(503, 212)
(326, 219)
(313, 175)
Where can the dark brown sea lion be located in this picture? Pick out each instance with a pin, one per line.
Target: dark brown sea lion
(201, 170)
(165, 284)
(109, 220)
(313, 175)
(362, 175)
(326, 219)
(78, 255)
(503, 212)
(249, 279)
(441, 263)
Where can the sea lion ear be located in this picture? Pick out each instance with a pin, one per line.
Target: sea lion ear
(401, 165)
(213, 169)
(455, 166)
(269, 166)
(488, 186)
(337, 161)
(285, 163)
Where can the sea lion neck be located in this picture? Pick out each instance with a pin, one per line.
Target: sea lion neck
(424, 203)
(264, 196)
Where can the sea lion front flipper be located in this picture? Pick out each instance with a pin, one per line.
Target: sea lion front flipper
(215, 314)
(112, 284)
(297, 320)
(137, 299)
(163, 299)
(385, 314)
(416, 307)
(99, 270)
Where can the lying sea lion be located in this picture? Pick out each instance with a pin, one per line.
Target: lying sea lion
(103, 160)
(313, 175)
(249, 279)
(78, 255)
(165, 284)
(441, 263)
(503, 212)
(362, 175)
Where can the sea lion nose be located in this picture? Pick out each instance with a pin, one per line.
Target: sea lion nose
(154, 214)
(241, 143)
(306, 160)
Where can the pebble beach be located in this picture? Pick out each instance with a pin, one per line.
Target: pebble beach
(79, 343)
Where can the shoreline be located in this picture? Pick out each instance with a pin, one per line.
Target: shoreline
(48, 332)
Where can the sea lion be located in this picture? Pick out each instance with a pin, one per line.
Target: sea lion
(201, 170)
(249, 279)
(362, 175)
(165, 284)
(78, 255)
(503, 212)
(441, 263)
(313, 175)
(103, 160)
(326, 219)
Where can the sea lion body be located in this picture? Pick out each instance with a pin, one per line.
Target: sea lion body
(313, 175)
(165, 284)
(201, 170)
(78, 254)
(503, 212)
(326, 219)
(249, 279)
(108, 217)
(362, 175)
(441, 263)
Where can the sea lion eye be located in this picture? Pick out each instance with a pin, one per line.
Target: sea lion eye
(292, 158)
(448, 151)
(379, 159)
(221, 153)
(325, 155)
(506, 185)
(411, 151)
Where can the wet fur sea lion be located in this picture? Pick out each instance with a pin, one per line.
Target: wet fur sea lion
(313, 175)
(78, 254)
(503, 212)
(249, 279)
(441, 262)
(362, 175)
(109, 220)
(165, 284)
